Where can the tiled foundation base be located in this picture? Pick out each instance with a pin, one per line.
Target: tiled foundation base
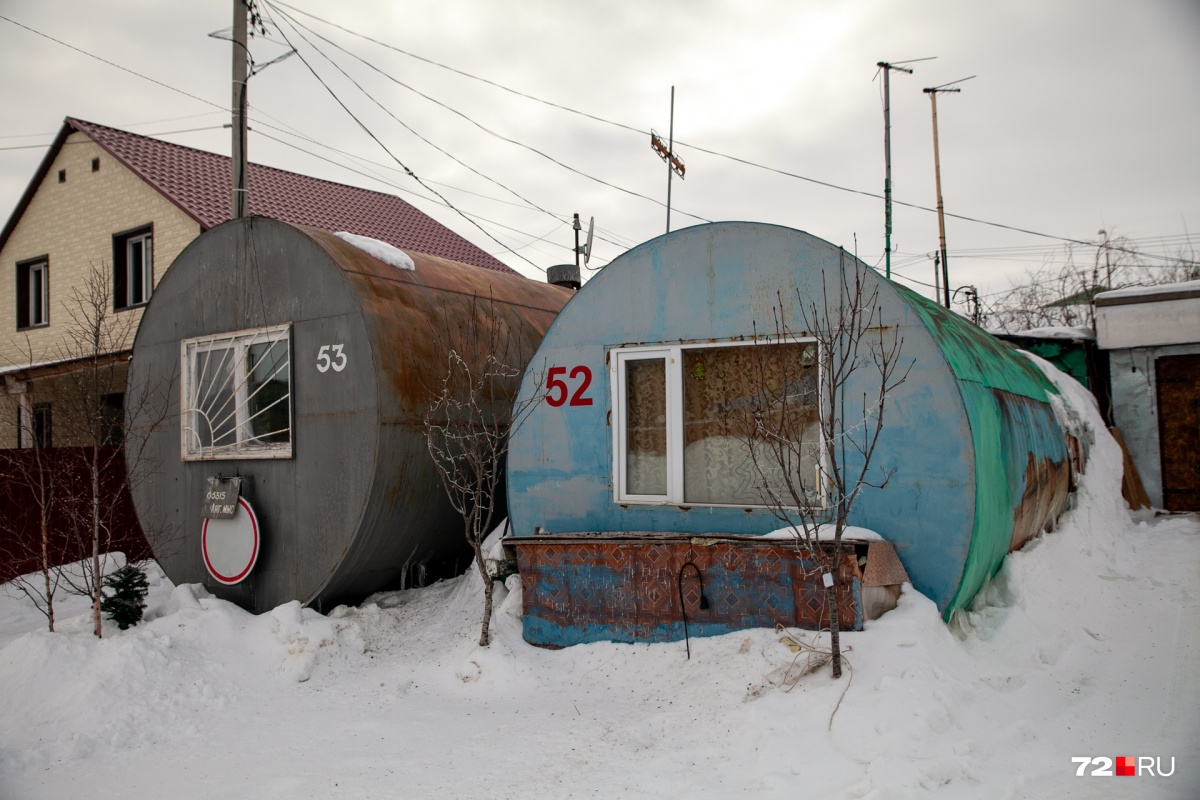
(589, 588)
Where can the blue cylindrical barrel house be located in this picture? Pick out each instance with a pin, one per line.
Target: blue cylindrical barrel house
(632, 469)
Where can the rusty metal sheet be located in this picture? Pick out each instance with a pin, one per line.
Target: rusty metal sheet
(628, 590)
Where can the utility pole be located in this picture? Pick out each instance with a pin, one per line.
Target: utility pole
(887, 67)
(937, 275)
(241, 75)
(933, 92)
(575, 224)
(667, 153)
(1107, 260)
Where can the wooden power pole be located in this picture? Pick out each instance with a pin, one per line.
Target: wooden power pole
(933, 92)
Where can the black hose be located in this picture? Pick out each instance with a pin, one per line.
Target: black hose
(683, 608)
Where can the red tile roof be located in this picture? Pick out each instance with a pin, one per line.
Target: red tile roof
(198, 183)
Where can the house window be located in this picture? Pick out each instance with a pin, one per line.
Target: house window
(33, 425)
(237, 400)
(686, 419)
(112, 418)
(133, 268)
(33, 293)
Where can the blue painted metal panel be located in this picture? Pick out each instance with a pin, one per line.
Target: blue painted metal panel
(980, 463)
(718, 282)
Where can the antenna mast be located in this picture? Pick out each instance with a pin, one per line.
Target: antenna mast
(887, 67)
(666, 151)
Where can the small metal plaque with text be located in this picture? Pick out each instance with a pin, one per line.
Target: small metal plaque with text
(221, 497)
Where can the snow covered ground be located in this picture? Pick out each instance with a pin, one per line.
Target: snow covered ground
(1086, 644)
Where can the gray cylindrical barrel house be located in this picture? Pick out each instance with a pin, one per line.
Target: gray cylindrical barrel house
(302, 365)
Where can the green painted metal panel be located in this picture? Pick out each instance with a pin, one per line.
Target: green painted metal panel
(993, 498)
(1067, 356)
(1007, 435)
(975, 355)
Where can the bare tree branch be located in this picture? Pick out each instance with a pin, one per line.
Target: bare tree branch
(470, 420)
(795, 412)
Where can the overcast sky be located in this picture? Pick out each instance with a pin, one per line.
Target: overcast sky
(1083, 115)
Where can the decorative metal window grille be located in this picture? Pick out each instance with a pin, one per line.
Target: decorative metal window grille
(237, 399)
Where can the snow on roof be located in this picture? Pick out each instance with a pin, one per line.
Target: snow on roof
(1147, 294)
(387, 253)
(1073, 334)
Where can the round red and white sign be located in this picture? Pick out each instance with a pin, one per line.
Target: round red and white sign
(230, 546)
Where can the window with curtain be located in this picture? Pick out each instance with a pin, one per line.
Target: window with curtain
(733, 424)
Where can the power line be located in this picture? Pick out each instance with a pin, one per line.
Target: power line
(586, 115)
(44, 145)
(467, 74)
(434, 200)
(563, 218)
(718, 154)
(377, 140)
(113, 64)
(406, 126)
(469, 119)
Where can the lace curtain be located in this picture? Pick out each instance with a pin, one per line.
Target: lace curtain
(727, 392)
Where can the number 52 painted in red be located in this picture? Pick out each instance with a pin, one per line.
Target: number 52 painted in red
(557, 390)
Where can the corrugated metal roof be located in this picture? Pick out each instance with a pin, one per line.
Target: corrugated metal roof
(198, 183)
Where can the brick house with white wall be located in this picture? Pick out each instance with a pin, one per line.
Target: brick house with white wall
(126, 205)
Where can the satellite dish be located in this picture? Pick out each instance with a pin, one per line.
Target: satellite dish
(587, 247)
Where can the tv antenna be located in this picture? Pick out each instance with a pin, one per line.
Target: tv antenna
(666, 151)
(586, 249)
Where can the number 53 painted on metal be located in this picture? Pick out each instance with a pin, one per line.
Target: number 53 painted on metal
(324, 362)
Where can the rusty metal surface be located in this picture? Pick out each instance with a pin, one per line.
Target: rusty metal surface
(414, 316)
(1035, 458)
(1047, 486)
(358, 508)
(629, 590)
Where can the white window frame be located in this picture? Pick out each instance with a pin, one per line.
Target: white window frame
(245, 446)
(146, 240)
(36, 298)
(39, 312)
(672, 355)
